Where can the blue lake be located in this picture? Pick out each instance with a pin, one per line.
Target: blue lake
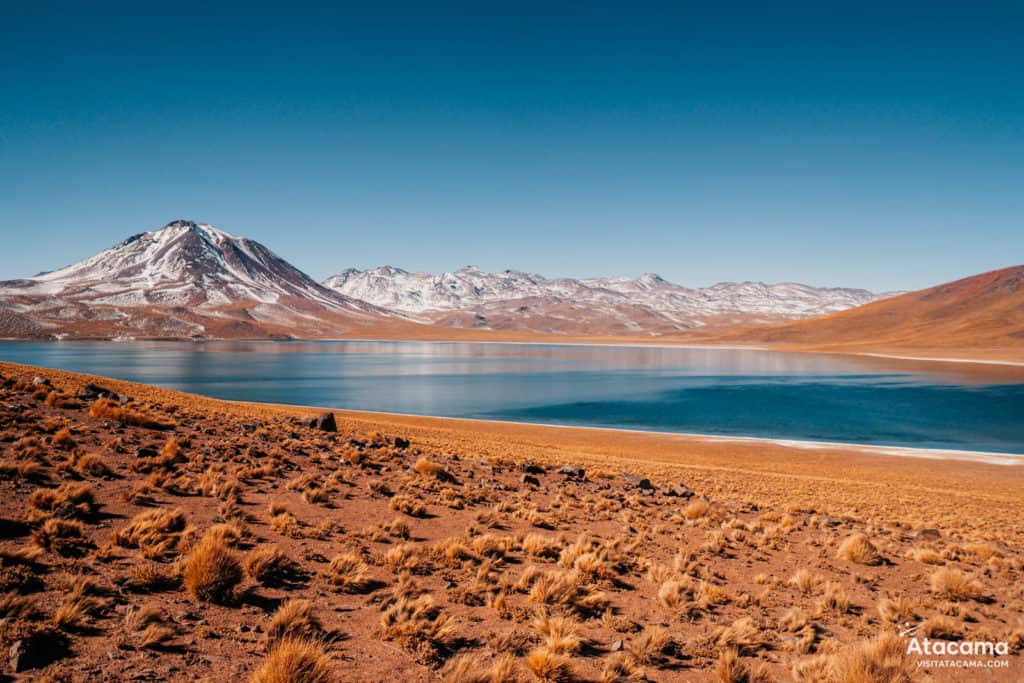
(708, 391)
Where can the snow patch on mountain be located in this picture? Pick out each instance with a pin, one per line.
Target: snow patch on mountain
(471, 289)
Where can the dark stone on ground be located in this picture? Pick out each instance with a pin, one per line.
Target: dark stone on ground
(572, 472)
(401, 443)
(325, 423)
(530, 467)
(146, 452)
(680, 491)
(93, 391)
(530, 479)
(638, 482)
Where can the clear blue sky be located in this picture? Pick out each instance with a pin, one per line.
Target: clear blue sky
(861, 144)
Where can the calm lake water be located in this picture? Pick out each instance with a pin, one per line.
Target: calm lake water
(708, 391)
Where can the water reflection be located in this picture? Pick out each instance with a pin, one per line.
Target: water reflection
(725, 391)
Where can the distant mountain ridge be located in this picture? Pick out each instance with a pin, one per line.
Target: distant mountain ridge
(184, 279)
(983, 312)
(192, 280)
(471, 297)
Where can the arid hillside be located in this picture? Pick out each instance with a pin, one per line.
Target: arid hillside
(153, 535)
(981, 316)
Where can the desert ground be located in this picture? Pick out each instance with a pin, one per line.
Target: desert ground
(153, 535)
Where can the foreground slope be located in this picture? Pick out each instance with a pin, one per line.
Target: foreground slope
(980, 316)
(185, 279)
(162, 536)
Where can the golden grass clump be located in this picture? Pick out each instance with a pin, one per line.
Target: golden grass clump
(925, 556)
(294, 619)
(92, 465)
(63, 439)
(77, 498)
(212, 571)
(859, 549)
(729, 668)
(471, 668)
(549, 667)
(542, 546)
(408, 505)
(417, 622)
(953, 584)
(62, 536)
(270, 566)
(430, 469)
(804, 581)
(883, 659)
(295, 660)
(348, 573)
(108, 409)
(154, 532)
(561, 633)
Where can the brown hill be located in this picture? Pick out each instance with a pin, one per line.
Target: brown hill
(981, 316)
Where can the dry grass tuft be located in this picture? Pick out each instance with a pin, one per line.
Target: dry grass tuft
(477, 669)
(295, 660)
(953, 584)
(212, 572)
(108, 409)
(348, 573)
(64, 537)
(154, 532)
(271, 567)
(294, 619)
(549, 667)
(859, 549)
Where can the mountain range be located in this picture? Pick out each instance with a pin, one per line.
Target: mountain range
(514, 300)
(183, 280)
(191, 280)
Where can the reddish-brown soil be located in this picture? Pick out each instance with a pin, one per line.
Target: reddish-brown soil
(760, 574)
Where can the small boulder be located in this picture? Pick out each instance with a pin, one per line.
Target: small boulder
(40, 381)
(530, 479)
(572, 472)
(680, 491)
(616, 646)
(642, 483)
(927, 535)
(146, 452)
(92, 392)
(325, 423)
(401, 442)
(530, 467)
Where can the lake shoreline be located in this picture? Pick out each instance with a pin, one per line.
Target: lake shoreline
(838, 477)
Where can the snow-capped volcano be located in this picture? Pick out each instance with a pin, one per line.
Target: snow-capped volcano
(471, 297)
(184, 279)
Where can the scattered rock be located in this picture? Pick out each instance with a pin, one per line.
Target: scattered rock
(401, 443)
(531, 467)
(616, 646)
(36, 650)
(530, 479)
(324, 422)
(250, 427)
(927, 535)
(93, 391)
(146, 452)
(40, 381)
(635, 481)
(572, 472)
(680, 491)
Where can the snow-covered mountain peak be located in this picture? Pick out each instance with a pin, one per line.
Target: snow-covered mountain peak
(183, 264)
(632, 303)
